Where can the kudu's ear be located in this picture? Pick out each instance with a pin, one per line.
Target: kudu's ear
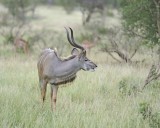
(82, 55)
(75, 51)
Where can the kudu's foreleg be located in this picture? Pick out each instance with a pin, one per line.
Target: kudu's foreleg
(43, 88)
(54, 90)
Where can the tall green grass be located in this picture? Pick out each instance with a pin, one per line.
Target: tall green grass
(93, 100)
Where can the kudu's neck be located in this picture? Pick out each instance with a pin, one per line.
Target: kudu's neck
(68, 67)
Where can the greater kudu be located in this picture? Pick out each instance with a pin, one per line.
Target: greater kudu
(56, 71)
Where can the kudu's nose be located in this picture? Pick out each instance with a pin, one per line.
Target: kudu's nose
(95, 65)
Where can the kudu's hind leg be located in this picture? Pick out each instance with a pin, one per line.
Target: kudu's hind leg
(43, 88)
(54, 90)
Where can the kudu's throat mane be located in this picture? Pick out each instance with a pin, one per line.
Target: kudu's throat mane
(66, 80)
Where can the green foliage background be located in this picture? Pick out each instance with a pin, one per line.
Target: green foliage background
(140, 16)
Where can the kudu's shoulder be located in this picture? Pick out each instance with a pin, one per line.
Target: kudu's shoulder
(46, 53)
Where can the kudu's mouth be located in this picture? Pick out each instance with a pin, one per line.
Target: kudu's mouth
(92, 69)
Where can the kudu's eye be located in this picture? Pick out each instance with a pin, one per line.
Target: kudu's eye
(86, 60)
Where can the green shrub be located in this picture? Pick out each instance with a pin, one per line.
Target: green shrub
(128, 86)
(156, 84)
(145, 110)
(154, 121)
(147, 113)
(102, 30)
(84, 36)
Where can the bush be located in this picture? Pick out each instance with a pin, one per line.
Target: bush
(154, 121)
(145, 110)
(156, 84)
(102, 30)
(128, 86)
(147, 113)
(84, 36)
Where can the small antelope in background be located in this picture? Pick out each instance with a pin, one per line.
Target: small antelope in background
(56, 71)
(22, 44)
(88, 45)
